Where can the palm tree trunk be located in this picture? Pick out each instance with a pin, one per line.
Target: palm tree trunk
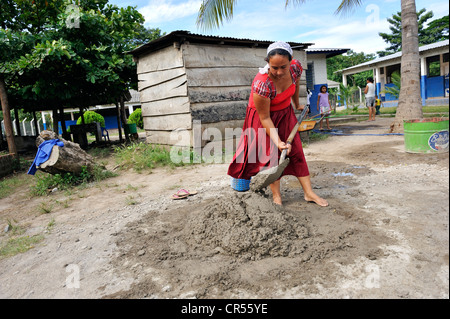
(7, 118)
(410, 101)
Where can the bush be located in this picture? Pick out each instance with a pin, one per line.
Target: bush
(136, 118)
(90, 117)
(46, 182)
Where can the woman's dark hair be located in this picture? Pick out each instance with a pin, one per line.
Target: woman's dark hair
(370, 79)
(279, 52)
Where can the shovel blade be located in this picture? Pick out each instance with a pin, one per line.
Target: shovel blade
(268, 176)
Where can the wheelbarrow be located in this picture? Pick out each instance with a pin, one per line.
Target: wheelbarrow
(309, 124)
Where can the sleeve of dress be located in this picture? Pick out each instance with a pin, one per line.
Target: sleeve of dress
(297, 69)
(261, 88)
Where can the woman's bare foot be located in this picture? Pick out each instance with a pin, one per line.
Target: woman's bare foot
(316, 199)
(277, 200)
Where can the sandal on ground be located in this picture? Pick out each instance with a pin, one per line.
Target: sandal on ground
(183, 193)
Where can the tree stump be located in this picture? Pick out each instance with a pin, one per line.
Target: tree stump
(68, 159)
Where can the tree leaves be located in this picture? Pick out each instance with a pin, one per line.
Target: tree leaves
(59, 63)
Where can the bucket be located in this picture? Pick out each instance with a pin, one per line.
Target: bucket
(130, 128)
(428, 135)
(240, 185)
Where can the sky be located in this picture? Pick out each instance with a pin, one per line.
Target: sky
(313, 21)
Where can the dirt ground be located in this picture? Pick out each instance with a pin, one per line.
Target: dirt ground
(384, 235)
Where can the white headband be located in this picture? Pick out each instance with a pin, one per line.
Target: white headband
(276, 45)
(280, 45)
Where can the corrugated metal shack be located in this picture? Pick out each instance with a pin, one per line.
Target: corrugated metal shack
(185, 78)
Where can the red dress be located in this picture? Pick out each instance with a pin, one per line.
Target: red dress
(250, 157)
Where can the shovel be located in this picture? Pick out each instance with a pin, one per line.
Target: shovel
(268, 176)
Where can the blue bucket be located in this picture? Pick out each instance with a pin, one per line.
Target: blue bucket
(240, 185)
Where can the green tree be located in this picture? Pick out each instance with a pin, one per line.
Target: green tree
(63, 64)
(91, 117)
(351, 58)
(437, 30)
(395, 89)
(395, 38)
(136, 118)
(345, 93)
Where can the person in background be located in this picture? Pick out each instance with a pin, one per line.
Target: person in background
(308, 99)
(324, 106)
(369, 92)
(378, 105)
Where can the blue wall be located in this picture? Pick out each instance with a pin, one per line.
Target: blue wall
(389, 97)
(429, 87)
(313, 100)
(435, 86)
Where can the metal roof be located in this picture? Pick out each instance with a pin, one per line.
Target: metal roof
(330, 52)
(181, 36)
(423, 48)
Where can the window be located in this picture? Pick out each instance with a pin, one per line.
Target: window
(391, 69)
(310, 76)
(434, 66)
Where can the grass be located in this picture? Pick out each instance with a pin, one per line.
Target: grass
(46, 182)
(9, 184)
(17, 245)
(429, 111)
(142, 156)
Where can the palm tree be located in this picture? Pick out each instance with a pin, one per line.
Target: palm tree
(397, 84)
(409, 101)
(346, 93)
(213, 12)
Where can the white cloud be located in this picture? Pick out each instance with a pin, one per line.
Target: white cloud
(160, 11)
(358, 35)
(439, 9)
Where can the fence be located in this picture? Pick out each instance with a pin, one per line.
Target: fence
(27, 128)
(356, 99)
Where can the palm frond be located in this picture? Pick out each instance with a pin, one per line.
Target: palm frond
(295, 2)
(347, 6)
(212, 13)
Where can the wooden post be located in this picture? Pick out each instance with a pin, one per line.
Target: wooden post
(65, 135)
(7, 118)
(16, 115)
(124, 117)
(36, 128)
(118, 122)
(82, 116)
(55, 120)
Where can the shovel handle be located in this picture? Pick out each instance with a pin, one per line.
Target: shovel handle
(293, 133)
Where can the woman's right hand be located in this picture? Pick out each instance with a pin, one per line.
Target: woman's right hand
(282, 146)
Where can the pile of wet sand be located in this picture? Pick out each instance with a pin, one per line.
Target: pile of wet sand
(248, 226)
(238, 240)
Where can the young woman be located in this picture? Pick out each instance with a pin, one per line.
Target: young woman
(269, 121)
